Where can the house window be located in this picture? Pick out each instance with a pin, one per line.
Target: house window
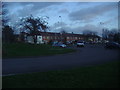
(51, 37)
(44, 37)
(47, 37)
(67, 37)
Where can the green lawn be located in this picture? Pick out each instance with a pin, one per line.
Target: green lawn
(25, 50)
(101, 76)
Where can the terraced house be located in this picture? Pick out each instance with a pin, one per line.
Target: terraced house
(46, 37)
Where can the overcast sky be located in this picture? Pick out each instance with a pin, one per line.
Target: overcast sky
(75, 16)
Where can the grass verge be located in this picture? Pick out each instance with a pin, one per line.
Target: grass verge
(26, 50)
(101, 76)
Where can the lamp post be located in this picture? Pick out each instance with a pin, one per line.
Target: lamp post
(61, 21)
(61, 26)
(102, 33)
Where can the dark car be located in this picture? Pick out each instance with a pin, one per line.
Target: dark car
(112, 45)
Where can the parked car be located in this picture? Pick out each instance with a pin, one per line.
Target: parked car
(80, 44)
(63, 45)
(68, 42)
(60, 45)
(112, 45)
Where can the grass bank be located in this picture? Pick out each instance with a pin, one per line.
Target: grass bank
(101, 76)
(25, 50)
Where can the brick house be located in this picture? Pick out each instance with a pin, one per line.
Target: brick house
(46, 37)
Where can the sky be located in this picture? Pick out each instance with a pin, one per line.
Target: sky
(73, 17)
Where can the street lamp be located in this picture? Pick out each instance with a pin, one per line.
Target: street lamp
(102, 24)
(61, 26)
(61, 22)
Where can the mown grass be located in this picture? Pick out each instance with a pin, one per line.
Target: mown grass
(101, 76)
(25, 50)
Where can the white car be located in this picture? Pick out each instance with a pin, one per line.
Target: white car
(80, 44)
(60, 45)
(63, 45)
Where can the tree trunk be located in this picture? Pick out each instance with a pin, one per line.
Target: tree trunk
(35, 39)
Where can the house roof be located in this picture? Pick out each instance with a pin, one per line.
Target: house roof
(63, 34)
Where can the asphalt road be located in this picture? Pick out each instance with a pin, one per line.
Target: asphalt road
(87, 56)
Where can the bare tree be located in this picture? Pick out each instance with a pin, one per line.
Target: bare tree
(34, 25)
(63, 32)
(89, 32)
(7, 31)
(105, 33)
(111, 35)
(8, 35)
(4, 14)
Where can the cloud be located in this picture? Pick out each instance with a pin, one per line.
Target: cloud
(76, 12)
(111, 20)
(89, 14)
(87, 27)
(79, 29)
(64, 11)
(23, 9)
(57, 26)
(36, 5)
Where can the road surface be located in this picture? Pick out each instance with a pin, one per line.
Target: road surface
(87, 56)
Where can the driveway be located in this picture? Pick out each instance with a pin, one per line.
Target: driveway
(87, 56)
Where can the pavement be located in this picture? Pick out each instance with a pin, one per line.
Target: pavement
(86, 56)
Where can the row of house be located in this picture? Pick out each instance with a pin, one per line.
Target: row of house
(46, 37)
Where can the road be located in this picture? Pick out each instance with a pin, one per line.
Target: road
(87, 56)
